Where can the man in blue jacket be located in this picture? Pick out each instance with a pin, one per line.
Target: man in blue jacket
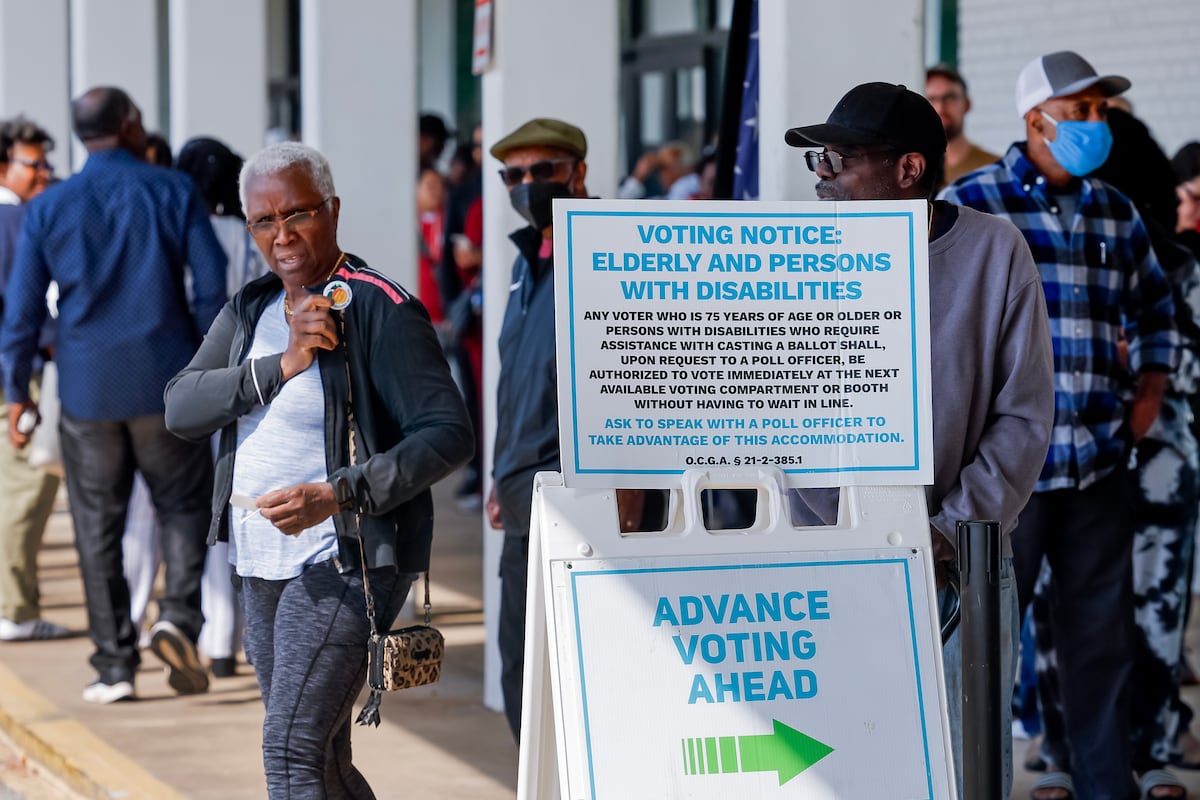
(117, 238)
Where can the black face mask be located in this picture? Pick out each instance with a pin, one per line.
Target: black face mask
(534, 201)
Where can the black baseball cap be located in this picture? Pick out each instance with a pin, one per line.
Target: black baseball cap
(878, 113)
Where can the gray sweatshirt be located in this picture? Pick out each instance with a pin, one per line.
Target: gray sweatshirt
(992, 366)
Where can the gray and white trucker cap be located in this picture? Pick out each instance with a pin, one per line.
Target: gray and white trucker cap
(1058, 75)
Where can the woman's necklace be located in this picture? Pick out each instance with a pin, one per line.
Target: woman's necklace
(287, 307)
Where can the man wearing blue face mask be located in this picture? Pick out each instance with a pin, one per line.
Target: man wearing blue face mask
(1100, 277)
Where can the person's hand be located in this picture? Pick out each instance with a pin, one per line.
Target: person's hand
(17, 439)
(297, 508)
(467, 256)
(311, 328)
(645, 166)
(629, 508)
(1122, 350)
(944, 556)
(1146, 403)
(493, 511)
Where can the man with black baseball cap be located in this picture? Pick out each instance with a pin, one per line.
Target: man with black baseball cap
(1101, 277)
(990, 351)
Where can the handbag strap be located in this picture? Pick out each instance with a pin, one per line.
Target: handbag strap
(362, 553)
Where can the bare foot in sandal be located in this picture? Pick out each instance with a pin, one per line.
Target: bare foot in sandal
(1054, 785)
(1161, 785)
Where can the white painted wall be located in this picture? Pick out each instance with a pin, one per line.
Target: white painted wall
(809, 59)
(358, 81)
(436, 62)
(33, 69)
(219, 91)
(1153, 43)
(573, 77)
(115, 43)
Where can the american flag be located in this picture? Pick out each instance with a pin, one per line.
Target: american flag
(745, 170)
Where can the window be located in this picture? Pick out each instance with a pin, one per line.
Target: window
(672, 62)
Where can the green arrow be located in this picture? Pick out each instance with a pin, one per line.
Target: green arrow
(786, 751)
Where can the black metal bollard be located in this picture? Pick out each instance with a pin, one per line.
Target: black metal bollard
(979, 572)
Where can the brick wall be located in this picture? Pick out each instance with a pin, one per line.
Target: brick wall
(1153, 43)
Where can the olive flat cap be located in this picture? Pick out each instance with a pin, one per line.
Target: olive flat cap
(543, 132)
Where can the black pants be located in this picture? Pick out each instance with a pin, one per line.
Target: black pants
(1087, 538)
(514, 577)
(307, 637)
(100, 458)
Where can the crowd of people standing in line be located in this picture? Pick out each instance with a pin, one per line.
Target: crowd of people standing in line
(1083, 445)
(1075, 253)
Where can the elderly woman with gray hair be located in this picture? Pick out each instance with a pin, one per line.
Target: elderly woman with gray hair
(335, 419)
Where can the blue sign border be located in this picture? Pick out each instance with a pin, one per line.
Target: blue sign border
(576, 575)
(912, 316)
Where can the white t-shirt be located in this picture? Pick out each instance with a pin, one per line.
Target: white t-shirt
(280, 444)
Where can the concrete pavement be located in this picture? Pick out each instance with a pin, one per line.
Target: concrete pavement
(434, 742)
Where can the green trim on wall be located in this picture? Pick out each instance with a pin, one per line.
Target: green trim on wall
(468, 111)
(948, 33)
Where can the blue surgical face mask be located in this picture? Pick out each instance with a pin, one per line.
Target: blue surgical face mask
(1079, 147)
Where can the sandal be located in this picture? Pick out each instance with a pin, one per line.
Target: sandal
(1054, 780)
(1188, 756)
(1161, 779)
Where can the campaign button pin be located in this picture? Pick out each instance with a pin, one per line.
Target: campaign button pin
(339, 292)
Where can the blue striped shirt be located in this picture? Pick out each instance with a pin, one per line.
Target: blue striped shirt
(118, 238)
(1099, 277)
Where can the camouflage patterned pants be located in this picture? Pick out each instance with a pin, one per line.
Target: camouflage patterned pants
(1165, 509)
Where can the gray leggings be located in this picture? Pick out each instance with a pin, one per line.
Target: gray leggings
(307, 638)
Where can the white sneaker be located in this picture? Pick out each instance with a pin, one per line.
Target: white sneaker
(185, 673)
(105, 693)
(30, 630)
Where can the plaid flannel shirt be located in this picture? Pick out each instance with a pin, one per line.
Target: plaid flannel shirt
(1099, 277)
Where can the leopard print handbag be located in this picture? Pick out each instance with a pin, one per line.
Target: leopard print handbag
(405, 658)
(399, 659)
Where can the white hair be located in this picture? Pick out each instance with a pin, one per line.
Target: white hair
(284, 156)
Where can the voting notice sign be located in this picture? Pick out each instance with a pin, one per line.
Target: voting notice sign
(773, 675)
(695, 335)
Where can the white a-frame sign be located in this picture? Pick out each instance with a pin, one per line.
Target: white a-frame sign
(775, 347)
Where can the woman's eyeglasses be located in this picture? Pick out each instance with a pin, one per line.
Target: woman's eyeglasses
(295, 222)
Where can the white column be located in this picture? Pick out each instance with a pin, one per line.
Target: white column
(438, 64)
(219, 72)
(550, 59)
(115, 43)
(33, 69)
(358, 84)
(810, 58)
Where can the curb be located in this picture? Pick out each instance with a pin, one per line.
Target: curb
(71, 752)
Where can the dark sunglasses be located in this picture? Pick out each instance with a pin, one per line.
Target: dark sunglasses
(541, 171)
(835, 159)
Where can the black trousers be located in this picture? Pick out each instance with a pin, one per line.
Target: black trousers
(1087, 538)
(100, 458)
(514, 578)
(308, 638)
